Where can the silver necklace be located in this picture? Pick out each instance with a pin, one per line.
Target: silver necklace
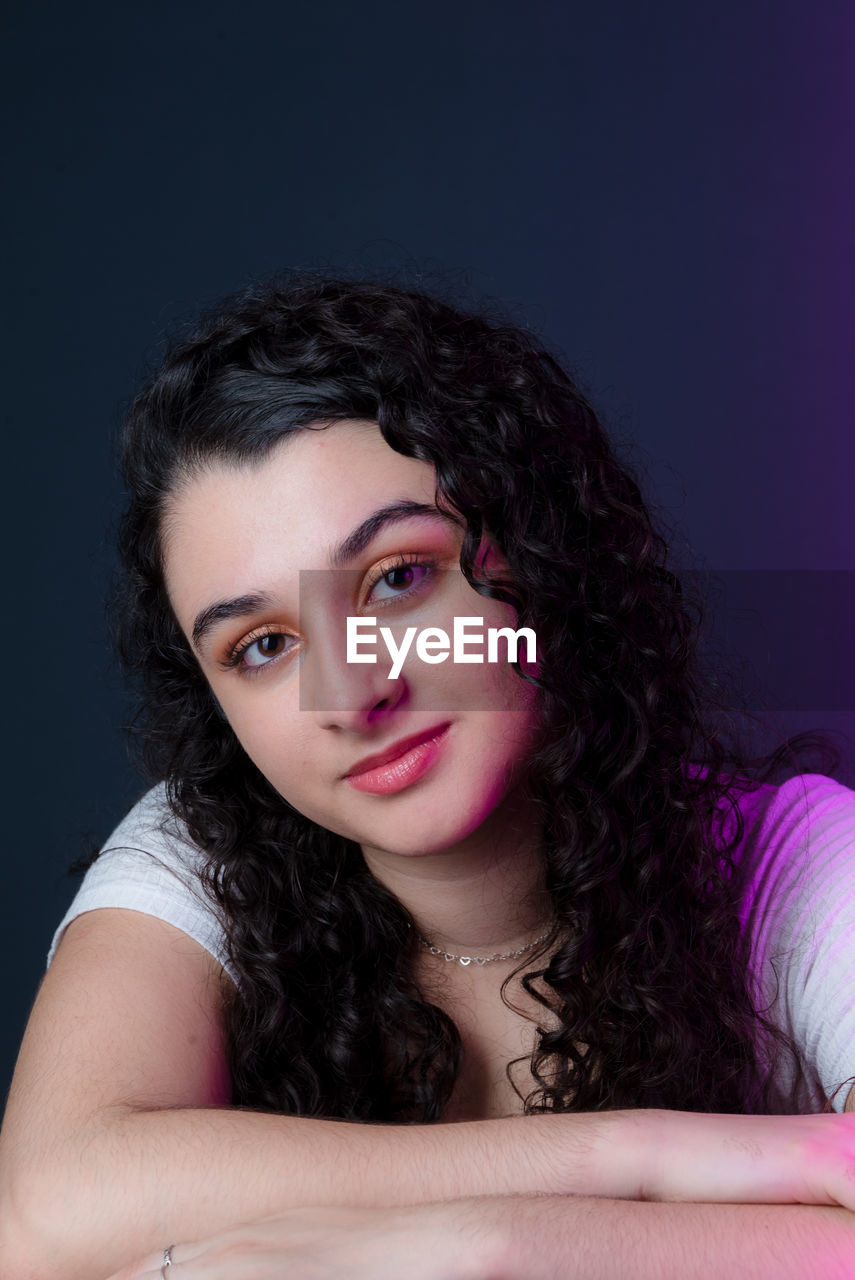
(499, 955)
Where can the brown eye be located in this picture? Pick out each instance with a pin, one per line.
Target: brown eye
(259, 653)
(401, 579)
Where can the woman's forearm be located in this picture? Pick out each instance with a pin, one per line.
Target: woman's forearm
(137, 1180)
(129, 1180)
(571, 1238)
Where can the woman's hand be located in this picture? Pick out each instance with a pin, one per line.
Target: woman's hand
(747, 1159)
(427, 1242)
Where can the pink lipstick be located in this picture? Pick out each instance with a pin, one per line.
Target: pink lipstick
(401, 765)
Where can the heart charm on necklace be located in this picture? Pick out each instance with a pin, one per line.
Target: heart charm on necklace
(479, 960)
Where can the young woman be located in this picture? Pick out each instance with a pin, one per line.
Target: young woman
(440, 967)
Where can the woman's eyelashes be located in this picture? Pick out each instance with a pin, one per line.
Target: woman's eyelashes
(256, 651)
(411, 572)
(406, 577)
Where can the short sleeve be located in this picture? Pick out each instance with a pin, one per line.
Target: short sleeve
(800, 911)
(150, 864)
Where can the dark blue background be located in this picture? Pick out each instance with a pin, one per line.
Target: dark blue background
(666, 191)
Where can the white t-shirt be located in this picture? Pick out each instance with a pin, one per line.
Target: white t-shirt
(799, 909)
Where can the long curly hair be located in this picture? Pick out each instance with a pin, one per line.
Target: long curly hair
(649, 964)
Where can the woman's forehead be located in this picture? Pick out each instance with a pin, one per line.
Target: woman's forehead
(310, 476)
(230, 522)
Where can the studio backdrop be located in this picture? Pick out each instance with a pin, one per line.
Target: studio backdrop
(664, 192)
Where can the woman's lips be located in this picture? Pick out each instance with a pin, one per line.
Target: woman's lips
(404, 769)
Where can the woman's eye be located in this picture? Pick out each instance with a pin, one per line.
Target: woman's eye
(260, 651)
(401, 578)
(399, 581)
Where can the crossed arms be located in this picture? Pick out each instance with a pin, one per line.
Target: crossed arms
(118, 1140)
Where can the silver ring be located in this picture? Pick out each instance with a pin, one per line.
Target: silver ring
(167, 1260)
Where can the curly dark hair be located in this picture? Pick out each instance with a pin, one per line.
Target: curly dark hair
(649, 967)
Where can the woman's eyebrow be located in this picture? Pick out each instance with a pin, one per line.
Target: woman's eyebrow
(404, 509)
(350, 547)
(224, 610)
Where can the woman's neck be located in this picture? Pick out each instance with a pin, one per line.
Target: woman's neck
(485, 894)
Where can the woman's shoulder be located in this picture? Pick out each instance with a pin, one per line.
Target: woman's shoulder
(151, 826)
(766, 823)
(798, 909)
(809, 811)
(150, 845)
(797, 863)
(149, 863)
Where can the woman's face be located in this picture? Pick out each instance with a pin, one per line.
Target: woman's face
(252, 579)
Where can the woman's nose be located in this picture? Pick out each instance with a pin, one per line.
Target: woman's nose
(347, 695)
(331, 687)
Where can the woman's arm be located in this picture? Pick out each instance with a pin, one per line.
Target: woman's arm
(529, 1238)
(572, 1238)
(117, 1136)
